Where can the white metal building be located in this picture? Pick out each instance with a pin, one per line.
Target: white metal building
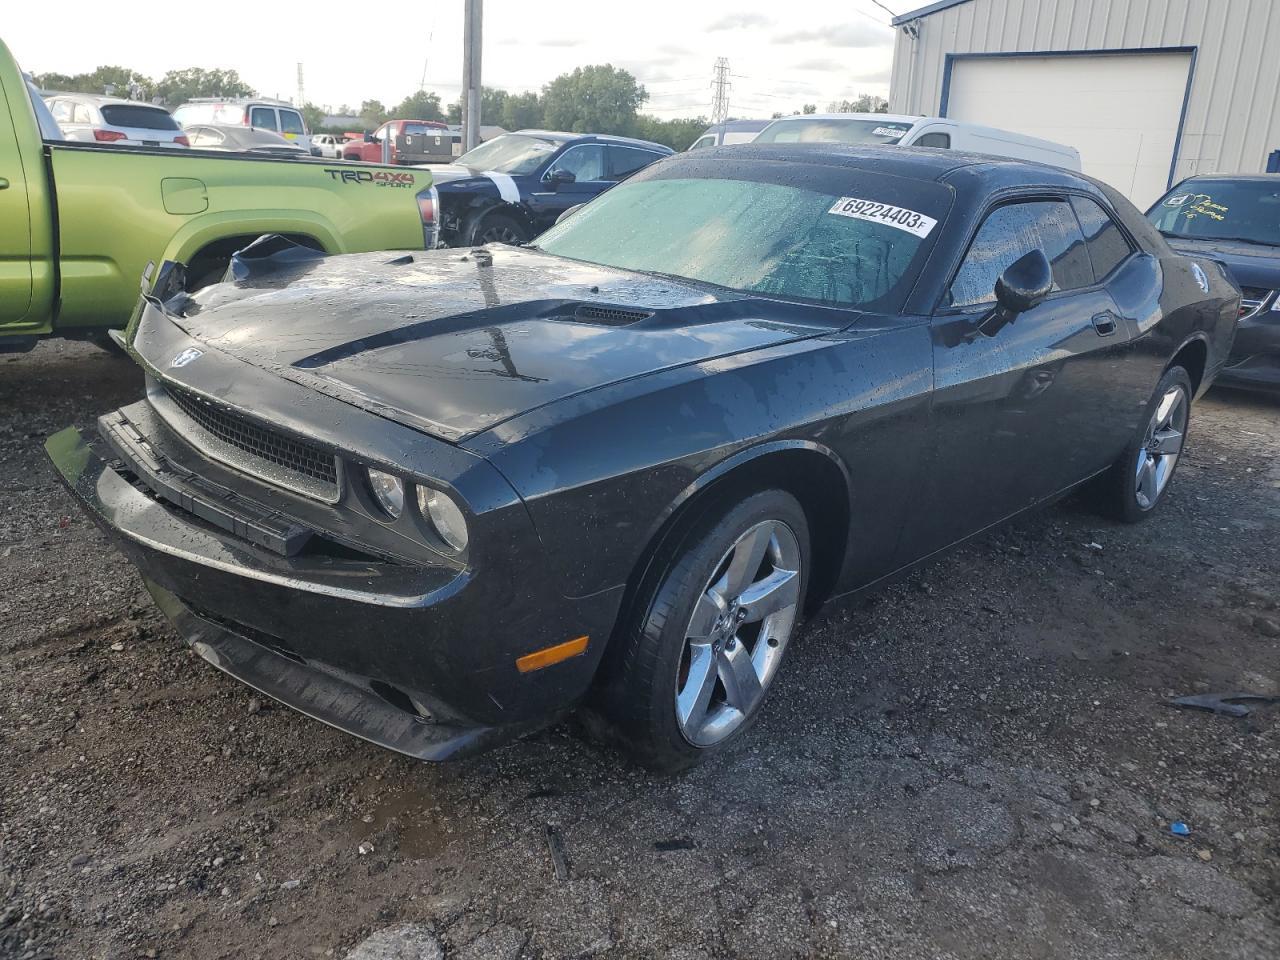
(1149, 91)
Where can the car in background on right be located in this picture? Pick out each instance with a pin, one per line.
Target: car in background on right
(1235, 219)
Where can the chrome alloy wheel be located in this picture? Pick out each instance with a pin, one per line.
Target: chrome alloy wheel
(1161, 447)
(738, 633)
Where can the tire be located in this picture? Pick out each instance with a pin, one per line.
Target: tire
(691, 631)
(1136, 484)
(500, 228)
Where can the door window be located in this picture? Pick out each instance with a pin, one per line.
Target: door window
(1012, 231)
(585, 162)
(1108, 246)
(291, 123)
(624, 161)
(204, 137)
(942, 140)
(62, 111)
(80, 114)
(708, 141)
(263, 118)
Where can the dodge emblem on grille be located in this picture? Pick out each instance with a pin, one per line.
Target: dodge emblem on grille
(186, 356)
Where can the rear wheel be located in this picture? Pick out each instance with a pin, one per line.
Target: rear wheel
(500, 228)
(1135, 485)
(705, 648)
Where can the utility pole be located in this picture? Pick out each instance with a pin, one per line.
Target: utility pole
(721, 85)
(471, 47)
(302, 97)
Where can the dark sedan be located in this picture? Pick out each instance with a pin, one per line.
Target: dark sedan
(438, 499)
(513, 187)
(1235, 219)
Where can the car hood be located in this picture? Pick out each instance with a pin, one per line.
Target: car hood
(1250, 265)
(454, 342)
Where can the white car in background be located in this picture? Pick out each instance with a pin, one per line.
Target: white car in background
(329, 145)
(902, 131)
(96, 119)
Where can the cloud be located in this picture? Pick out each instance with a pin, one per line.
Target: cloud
(741, 21)
(855, 33)
(559, 42)
(823, 64)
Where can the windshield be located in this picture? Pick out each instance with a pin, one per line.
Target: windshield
(830, 237)
(510, 153)
(833, 130)
(1246, 210)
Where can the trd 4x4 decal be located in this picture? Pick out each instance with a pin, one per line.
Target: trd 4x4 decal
(379, 178)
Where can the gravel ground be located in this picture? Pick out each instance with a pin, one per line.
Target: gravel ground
(977, 763)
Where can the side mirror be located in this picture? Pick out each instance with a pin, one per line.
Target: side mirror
(368, 137)
(561, 177)
(1024, 284)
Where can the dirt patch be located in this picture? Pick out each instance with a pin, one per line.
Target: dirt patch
(976, 763)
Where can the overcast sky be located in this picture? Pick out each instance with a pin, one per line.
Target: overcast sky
(782, 54)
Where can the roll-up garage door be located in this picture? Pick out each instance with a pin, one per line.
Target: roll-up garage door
(1120, 110)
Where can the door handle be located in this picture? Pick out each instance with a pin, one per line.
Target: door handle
(1105, 324)
(4, 184)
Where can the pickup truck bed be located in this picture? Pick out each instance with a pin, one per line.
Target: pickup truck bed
(82, 222)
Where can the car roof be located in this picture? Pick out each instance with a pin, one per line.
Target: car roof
(920, 163)
(565, 137)
(883, 117)
(100, 99)
(1261, 177)
(746, 126)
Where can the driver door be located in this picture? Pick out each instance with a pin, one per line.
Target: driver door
(1023, 411)
(586, 162)
(15, 215)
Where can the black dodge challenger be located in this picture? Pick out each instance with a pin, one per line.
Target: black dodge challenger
(438, 499)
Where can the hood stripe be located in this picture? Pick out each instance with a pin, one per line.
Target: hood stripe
(507, 188)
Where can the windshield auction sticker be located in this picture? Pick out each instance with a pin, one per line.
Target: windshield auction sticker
(898, 217)
(897, 132)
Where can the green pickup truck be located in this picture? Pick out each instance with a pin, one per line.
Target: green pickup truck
(80, 223)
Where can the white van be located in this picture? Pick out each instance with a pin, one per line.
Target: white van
(885, 128)
(278, 116)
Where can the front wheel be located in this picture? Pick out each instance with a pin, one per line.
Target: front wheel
(708, 643)
(500, 228)
(1132, 489)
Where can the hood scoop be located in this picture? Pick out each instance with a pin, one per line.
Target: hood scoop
(610, 316)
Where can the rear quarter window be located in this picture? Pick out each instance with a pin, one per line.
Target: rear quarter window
(1108, 246)
(138, 117)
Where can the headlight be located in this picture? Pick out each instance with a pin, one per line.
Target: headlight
(388, 490)
(445, 516)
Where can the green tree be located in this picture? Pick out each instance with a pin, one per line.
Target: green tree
(122, 82)
(372, 114)
(809, 108)
(313, 117)
(179, 86)
(422, 105)
(676, 134)
(521, 111)
(596, 99)
(493, 103)
(863, 103)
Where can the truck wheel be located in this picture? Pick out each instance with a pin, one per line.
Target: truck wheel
(500, 228)
(710, 634)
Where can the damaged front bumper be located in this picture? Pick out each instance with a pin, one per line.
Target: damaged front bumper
(414, 657)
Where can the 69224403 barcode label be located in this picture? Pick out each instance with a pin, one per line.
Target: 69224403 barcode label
(898, 217)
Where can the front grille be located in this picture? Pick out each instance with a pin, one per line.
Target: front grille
(254, 447)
